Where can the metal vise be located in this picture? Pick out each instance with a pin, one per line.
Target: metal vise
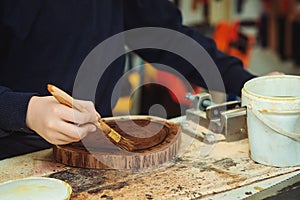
(227, 118)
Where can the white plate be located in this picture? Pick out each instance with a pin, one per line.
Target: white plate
(35, 188)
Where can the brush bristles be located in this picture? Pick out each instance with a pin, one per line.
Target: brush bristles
(124, 144)
(116, 138)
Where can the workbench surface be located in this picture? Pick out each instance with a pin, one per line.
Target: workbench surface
(224, 167)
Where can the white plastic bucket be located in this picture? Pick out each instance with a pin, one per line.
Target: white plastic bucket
(273, 119)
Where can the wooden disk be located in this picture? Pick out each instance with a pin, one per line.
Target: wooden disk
(96, 151)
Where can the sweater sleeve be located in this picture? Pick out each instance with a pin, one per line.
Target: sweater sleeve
(13, 105)
(163, 13)
(13, 109)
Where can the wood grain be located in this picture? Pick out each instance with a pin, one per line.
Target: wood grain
(96, 151)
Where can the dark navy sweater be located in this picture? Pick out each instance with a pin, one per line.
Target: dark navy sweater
(46, 41)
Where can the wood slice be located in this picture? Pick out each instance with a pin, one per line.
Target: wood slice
(96, 151)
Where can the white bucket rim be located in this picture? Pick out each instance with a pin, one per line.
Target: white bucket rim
(246, 91)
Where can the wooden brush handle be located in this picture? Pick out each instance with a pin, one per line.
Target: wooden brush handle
(63, 97)
(67, 100)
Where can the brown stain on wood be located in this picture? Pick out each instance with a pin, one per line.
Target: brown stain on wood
(143, 138)
(91, 181)
(96, 151)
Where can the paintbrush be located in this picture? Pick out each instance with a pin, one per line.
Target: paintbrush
(110, 133)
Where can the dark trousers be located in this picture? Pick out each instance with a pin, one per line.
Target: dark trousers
(19, 143)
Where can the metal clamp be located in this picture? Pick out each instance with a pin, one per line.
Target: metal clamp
(200, 101)
(228, 118)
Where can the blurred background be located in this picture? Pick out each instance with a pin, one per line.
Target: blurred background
(264, 34)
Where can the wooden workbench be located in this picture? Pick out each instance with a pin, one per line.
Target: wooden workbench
(188, 176)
